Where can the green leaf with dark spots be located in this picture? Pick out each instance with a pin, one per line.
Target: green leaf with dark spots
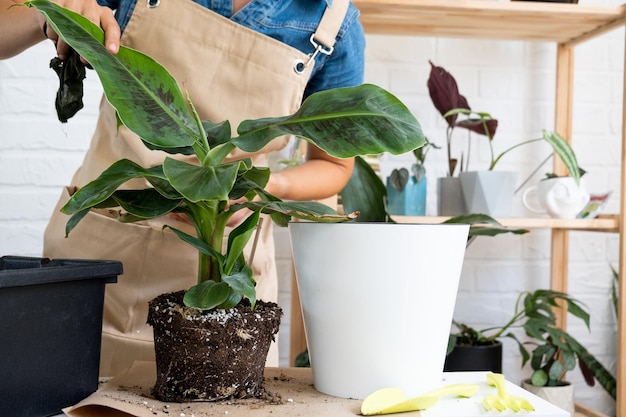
(107, 183)
(146, 97)
(366, 117)
(198, 183)
(147, 203)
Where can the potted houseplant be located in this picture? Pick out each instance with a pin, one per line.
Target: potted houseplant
(444, 93)
(555, 350)
(366, 191)
(490, 191)
(560, 197)
(412, 260)
(202, 192)
(406, 194)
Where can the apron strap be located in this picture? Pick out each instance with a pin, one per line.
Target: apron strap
(323, 40)
(330, 24)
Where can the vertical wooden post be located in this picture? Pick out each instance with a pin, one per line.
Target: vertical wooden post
(563, 126)
(621, 321)
(297, 337)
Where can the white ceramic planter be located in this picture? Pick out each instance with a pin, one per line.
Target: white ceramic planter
(560, 197)
(562, 396)
(489, 192)
(377, 301)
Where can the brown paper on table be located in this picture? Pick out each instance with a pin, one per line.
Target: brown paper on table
(129, 395)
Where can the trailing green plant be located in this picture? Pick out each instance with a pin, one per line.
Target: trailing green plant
(344, 122)
(445, 95)
(554, 350)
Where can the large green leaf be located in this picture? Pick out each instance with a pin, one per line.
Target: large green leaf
(365, 193)
(283, 211)
(147, 98)
(199, 183)
(369, 120)
(107, 183)
(147, 204)
(483, 225)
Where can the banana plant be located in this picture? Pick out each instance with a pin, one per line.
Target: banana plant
(344, 122)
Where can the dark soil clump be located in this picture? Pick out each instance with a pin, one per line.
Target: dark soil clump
(211, 355)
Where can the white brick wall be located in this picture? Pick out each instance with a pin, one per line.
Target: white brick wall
(511, 80)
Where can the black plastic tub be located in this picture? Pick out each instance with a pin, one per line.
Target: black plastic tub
(50, 332)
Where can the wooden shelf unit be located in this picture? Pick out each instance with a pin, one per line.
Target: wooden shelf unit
(567, 25)
(517, 20)
(603, 223)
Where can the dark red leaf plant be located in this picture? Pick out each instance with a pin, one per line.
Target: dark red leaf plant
(445, 95)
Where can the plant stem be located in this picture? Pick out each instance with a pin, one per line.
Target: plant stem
(495, 161)
(204, 216)
(490, 137)
(449, 131)
(519, 314)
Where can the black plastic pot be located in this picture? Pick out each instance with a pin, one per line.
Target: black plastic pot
(50, 332)
(475, 358)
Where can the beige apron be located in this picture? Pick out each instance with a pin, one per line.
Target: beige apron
(230, 72)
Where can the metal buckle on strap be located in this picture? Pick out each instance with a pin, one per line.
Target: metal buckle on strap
(153, 3)
(300, 65)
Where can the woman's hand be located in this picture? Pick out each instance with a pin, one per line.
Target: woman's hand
(100, 15)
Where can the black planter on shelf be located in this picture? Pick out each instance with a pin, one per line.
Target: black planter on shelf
(475, 358)
(50, 332)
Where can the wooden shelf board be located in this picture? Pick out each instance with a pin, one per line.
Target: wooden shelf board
(603, 223)
(517, 20)
(584, 411)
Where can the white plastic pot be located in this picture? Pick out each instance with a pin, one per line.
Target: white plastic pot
(377, 301)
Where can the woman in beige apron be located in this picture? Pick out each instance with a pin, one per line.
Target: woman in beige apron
(230, 72)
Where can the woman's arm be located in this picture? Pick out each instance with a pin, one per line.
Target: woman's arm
(22, 27)
(321, 176)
